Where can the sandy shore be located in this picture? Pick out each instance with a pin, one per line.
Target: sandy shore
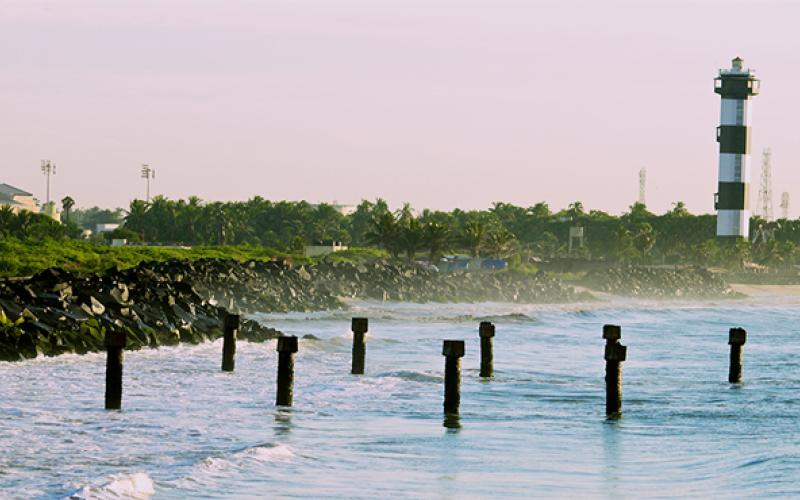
(766, 290)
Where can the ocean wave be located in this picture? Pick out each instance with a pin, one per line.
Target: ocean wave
(514, 317)
(262, 454)
(271, 453)
(129, 486)
(215, 471)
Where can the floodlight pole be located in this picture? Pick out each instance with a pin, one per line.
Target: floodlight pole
(147, 174)
(48, 168)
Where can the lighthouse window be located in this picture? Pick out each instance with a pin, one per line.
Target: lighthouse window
(717, 83)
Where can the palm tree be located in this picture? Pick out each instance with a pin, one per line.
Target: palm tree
(624, 248)
(384, 232)
(25, 221)
(187, 217)
(136, 219)
(575, 210)
(637, 213)
(500, 242)
(678, 210)
(645, 238)
(540, 211)
(161, 218)
(409, 233)
(472, 236)
(66, 205)
(8, 220)
(219, 224)
(410, 236)
(436, 237)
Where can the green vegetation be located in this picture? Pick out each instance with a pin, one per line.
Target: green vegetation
(88, 218)
(259, 228)
(22, 258)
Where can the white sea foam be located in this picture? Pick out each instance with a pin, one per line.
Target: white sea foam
(276, 453)
(262, 454)
(208, 473)
(128, 486)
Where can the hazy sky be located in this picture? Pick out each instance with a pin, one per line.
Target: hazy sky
(441, 103)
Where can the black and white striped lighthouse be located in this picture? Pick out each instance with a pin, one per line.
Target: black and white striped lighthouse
(736, 86)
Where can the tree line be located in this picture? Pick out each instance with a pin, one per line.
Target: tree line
(502, 231)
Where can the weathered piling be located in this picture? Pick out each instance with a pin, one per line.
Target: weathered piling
(359, 326)
(453, 350)
(286, 348)
(229, 342)
(615, 354)
(486, 332)
(736, 339)
(114, 344)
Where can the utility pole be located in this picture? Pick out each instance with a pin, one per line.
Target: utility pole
(642, 182)
(48, 169)
(147, 174)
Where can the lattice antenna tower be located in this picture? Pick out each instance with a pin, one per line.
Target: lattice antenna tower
(765, 192)
(642, 184)
(785, 205)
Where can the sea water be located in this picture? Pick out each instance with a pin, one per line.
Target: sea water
(537, 429)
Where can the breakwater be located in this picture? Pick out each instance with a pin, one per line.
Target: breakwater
(165, 303)
(658, 282)
(56, 312)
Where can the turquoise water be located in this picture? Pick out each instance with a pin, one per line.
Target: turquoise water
(537, 429)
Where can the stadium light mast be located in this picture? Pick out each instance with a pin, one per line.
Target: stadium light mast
(147, 174)
(736, 86)
(48, 169)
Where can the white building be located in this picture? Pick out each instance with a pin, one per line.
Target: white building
(17, 199)
(324, 248)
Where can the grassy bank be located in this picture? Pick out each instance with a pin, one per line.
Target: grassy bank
(24, 258)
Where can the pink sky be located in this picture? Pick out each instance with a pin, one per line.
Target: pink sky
(442, 103)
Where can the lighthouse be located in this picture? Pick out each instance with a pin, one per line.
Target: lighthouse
(736, 86)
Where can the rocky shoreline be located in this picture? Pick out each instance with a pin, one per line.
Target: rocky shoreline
(656, 282)
(165, 303)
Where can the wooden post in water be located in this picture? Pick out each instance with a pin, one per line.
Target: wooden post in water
(229, 342)
(453, 350)
(736, 339)
(615, 354)
(359, 327)
(486, 332)
(286, 348)
(115, 344)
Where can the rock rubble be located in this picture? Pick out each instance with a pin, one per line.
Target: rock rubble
(689, 282)
(164, 303)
